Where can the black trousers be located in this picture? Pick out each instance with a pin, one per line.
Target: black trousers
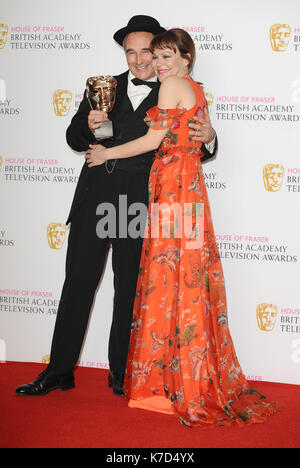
(85, 264)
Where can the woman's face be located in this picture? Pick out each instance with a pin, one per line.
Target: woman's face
(166, 62)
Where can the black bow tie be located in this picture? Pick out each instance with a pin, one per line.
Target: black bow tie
(151, 84)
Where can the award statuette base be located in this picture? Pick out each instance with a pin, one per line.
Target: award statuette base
(105, 131)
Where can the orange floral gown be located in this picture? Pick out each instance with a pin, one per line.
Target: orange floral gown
(181, 356)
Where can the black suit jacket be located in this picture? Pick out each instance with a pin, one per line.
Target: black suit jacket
(79, 136)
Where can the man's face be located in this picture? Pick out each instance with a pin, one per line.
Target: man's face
(138, 55)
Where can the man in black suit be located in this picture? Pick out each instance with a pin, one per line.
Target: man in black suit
(137, 92)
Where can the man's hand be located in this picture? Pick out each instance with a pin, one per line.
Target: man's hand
(202, 131)
(95, 156)
(95, 119)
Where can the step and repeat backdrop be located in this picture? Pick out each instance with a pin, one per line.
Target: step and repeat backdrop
(248, 57)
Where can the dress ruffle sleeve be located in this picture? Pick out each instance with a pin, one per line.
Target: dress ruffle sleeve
(160, 119)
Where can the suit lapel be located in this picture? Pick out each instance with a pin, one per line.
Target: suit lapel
(122, 81)
(149, 101)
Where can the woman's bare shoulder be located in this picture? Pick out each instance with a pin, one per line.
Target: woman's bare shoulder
(174, 81)
(173, 91)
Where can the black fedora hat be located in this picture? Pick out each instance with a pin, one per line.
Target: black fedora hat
(139, 23)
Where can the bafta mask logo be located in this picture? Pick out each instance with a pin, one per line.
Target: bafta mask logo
(209, 100)
(280, 37)
(266, 315)
(3, 35)
(56, 233)
(62, 99)
(1, 163)
(273, 177)
(46, 359)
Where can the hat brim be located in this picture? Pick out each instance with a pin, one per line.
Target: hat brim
(120, 35)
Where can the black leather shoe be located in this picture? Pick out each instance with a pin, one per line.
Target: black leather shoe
(116, 383)
(45, 384)
(110, 379)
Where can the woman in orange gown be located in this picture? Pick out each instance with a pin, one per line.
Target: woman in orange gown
(181, 358)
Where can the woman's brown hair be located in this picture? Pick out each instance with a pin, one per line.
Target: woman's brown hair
(176, 38)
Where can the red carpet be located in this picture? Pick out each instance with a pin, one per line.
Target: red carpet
(90, 416)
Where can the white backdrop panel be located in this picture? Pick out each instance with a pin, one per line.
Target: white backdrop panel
(254, 95)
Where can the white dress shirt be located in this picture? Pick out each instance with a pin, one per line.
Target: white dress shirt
(138, 93)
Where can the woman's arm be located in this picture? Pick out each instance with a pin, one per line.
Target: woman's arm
(144, 144)
(170, 95)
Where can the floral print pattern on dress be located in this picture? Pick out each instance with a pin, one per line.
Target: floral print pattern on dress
(181, 348)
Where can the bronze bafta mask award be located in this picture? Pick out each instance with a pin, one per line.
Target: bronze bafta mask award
(101, 94)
